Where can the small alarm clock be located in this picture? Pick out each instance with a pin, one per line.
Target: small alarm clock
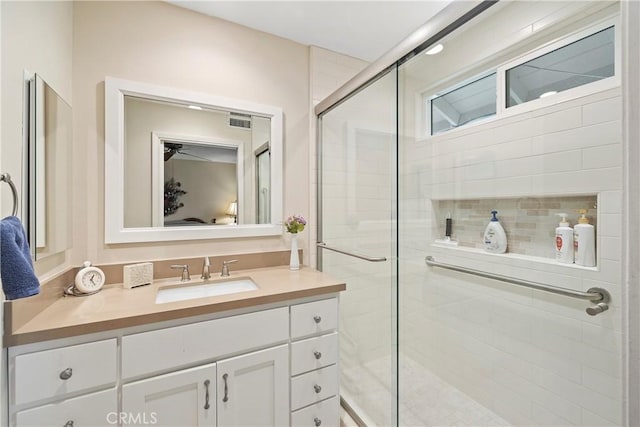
(89, 280)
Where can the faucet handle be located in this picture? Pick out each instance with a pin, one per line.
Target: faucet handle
(185, 271)
(225, 267)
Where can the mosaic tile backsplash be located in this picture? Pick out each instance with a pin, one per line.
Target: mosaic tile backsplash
(529, 222)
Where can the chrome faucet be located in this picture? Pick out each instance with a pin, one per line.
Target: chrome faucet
(206, 275)
(185, 271)
(225, 267)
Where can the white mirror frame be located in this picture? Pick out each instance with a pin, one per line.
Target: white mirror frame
(115, 232)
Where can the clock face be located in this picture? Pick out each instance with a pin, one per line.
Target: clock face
(89, 279)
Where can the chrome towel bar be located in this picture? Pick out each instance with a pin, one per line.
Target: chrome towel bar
(7, 178)
(598, 296)
(353, 254)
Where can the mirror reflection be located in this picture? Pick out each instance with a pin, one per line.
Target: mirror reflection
(48, 175)
(187, 165)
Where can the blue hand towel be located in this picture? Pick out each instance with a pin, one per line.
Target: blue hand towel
(16, 269)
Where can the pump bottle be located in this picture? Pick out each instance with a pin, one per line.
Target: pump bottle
(495, 239)
(564, 241)
(584, 239)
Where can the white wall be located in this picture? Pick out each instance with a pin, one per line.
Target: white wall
(3, 354)
(631, 207)
(37, 37)
(161, 44)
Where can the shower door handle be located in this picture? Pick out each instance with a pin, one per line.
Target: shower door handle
(353, 254)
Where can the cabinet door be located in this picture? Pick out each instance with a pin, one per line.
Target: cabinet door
(96, 410)
(253, 389)
(185, 398)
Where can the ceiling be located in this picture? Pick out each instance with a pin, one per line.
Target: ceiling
(362, 29)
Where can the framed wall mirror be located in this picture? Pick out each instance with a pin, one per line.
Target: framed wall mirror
(47, 176)
(185, 165)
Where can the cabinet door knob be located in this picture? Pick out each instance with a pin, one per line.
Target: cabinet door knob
(317, 421)
(65, 375)
(317, 319)
(317, 388)
(317, 354)
(226, 388)
(206, 396)
(68, 424)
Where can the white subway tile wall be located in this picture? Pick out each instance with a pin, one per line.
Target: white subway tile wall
(530, 357)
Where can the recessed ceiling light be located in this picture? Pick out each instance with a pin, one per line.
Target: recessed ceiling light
(434, 50)
(195, 107)
(551, 92)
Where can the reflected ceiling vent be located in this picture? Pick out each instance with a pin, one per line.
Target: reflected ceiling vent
(242, 121)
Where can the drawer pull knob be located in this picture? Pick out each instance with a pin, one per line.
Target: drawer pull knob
(206, 396)
(68, 424)
(317, 319)
(226, 388)
(317, 354)
(317, 388)
(317, 421)
(65, 375)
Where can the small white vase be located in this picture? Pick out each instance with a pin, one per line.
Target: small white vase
(294, 261)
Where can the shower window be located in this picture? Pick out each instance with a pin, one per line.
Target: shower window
(571, 63)
(574, 66)
(473, 100)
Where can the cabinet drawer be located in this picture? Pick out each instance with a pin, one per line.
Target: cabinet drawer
(41, 375)
(199, 342)
(325, 414)
(96, 410)
(312, 318)
(314, 386)
(314, 353)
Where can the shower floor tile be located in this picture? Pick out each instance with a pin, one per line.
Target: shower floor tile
(425, 399)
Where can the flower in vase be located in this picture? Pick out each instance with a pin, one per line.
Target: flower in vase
(295, 224)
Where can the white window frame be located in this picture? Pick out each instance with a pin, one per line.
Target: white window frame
(501, 109)
(566, 95)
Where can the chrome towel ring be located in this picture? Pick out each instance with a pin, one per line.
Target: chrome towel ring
(7, 178)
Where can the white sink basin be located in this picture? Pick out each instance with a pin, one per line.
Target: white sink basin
(201, 289)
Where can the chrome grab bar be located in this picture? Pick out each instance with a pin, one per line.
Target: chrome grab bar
(7, 178)
(598, 296)
(353, 254)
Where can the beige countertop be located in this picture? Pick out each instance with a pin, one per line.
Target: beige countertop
(115, 307)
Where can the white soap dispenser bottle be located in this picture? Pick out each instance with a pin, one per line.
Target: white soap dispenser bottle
(584, 238)
(495, 239)
(564, 241)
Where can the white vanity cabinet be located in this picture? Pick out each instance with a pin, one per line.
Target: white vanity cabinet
(184, 398)
(270, 366)
(314, 364)
(253, 389)
(249, 388)
(94, 409)
(46, 386)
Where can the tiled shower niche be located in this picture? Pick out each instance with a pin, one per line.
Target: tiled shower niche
(529, 222)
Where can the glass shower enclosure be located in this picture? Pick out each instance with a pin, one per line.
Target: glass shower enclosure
(359, 243)
(519, 113)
